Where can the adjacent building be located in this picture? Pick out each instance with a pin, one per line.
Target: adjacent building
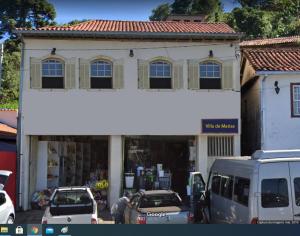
(270, 80)
(111, 99)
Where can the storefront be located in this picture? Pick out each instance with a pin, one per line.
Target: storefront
(159, 162)
(62, 161)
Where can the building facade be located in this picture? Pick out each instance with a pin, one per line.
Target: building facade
(112, 98)
(270, 77)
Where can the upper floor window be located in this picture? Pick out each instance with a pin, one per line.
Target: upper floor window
(160, 75)
(101, 74)
(52, 74)
(295, 96)
(210, 75)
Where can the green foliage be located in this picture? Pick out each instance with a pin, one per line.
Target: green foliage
(18, 14)
(161, 12)
(253, 22)
(211, 8)
(9, 91)
(25, 13)
(266, 18)
(182, 7)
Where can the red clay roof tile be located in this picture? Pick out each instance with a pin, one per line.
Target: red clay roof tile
(274, 59)
(142, 26)
(271, 41)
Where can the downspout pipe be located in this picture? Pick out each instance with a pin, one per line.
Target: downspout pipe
(262, 112)
(20, 130)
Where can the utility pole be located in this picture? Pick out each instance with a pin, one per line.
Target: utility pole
(1, 61)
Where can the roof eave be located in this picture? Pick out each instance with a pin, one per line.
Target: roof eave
(126, 35)
(276, 72)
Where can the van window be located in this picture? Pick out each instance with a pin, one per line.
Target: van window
(215, 186)
(227, 186)
(297, 191)
(274, 193)
(241, 190)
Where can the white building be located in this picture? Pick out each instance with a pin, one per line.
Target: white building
(270, 75)
(108, 96)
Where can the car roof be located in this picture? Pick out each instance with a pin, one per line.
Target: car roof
(156, 192)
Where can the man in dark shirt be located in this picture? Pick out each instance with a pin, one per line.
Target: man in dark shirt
(118, 208)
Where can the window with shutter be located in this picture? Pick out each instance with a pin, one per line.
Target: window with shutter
(227, 75)
(178, 75)
(118, 74)
(143, 73)
(84, 74)
(210, 75)
(35, 73)
(101, 74)
(70, 80)
(53, 74)
(160, 75)
(193, 74)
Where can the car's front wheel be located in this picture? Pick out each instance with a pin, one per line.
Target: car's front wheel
(10, 220)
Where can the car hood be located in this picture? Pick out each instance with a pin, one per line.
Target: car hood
(4, 175)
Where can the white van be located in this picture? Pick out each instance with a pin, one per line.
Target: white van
(264, 188)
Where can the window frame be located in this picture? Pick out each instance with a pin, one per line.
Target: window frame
(287, 193)
(170, 77)
(236, 178)
(104, 61)
(205, 63)
(223, 192)
(293, 115)
(44, 77)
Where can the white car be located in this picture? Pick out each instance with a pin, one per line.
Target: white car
(7, 210)
(71, 205)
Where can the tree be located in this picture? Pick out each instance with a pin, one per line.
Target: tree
(211, 8)
(253, 22)
(25, 13)
(18, 13)
(9, 91)
(266, 18)
(161, 12)
(182, 7)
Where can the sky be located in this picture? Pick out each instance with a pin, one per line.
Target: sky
(67, 10)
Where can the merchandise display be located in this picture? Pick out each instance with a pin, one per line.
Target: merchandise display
(40, 199)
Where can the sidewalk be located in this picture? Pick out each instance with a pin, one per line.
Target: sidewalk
(35, 217)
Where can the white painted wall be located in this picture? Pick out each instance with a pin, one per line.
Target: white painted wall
(281, 130)
(128, 111)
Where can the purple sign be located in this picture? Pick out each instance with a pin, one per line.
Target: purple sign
(220, 126)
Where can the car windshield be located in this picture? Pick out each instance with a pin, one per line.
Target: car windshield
(164, 200)
(72, 198)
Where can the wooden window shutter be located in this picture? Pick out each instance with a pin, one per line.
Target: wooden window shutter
(193, 74)
(178, 74)
(143, 73)
(35, 73)
(118, 74)
(70, 79)
(227, 75)
(84, 74)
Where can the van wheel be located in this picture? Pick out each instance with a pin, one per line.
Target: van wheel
(10, 220)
